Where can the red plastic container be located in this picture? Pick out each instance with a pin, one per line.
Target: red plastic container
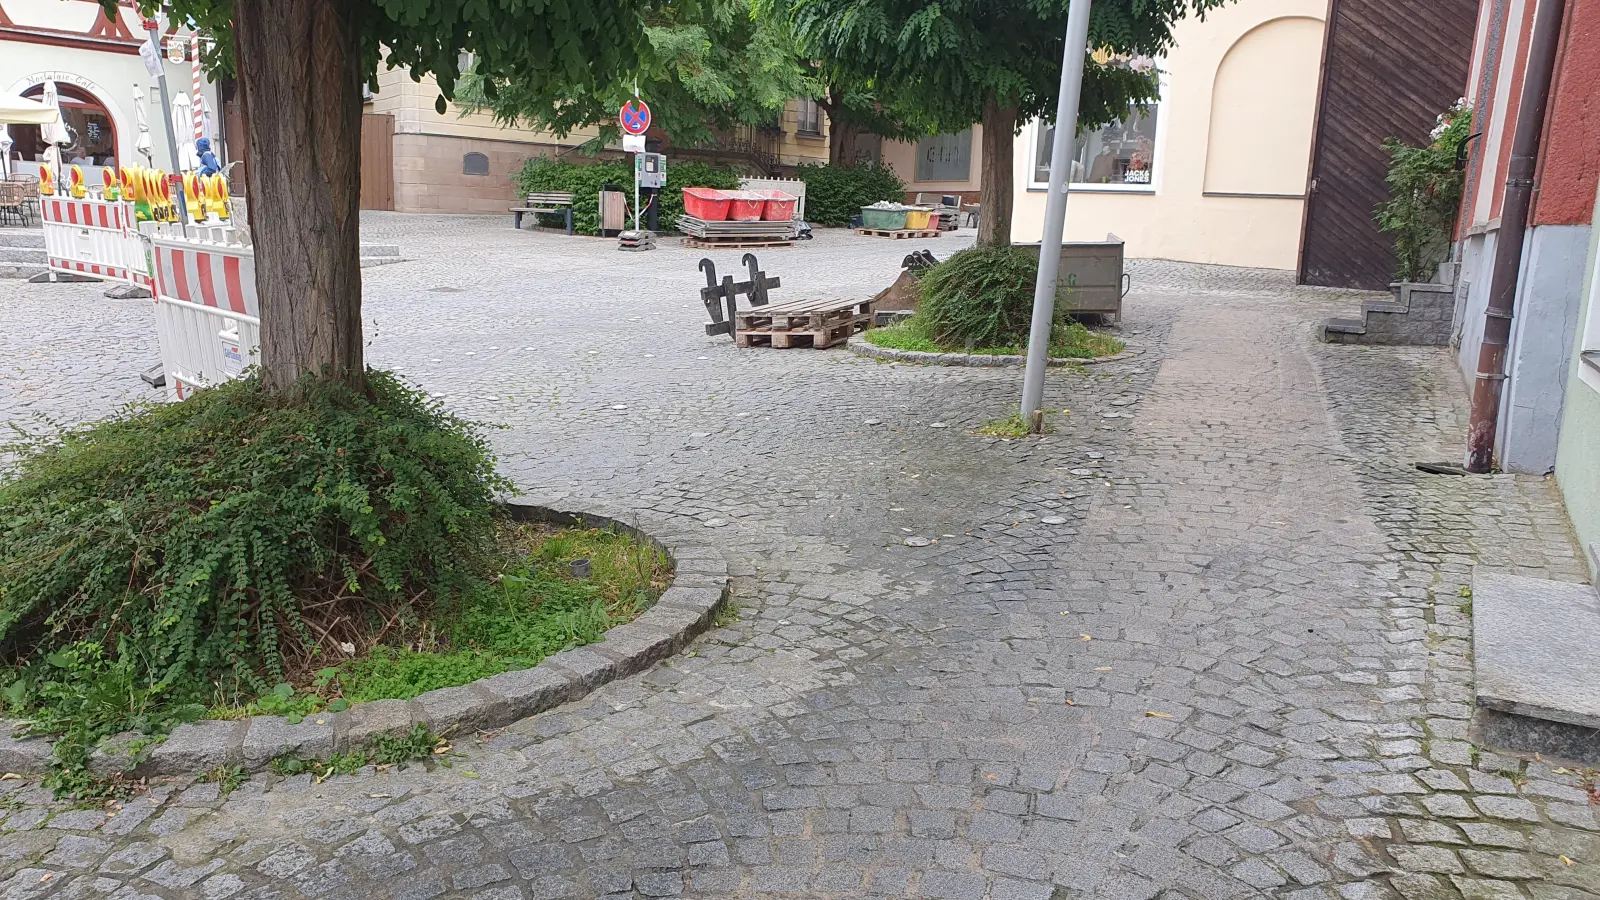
(780, 206)
(706, 204)
(746, 206)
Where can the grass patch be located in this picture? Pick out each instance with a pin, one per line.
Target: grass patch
(534, 609)
(417, 745)
(1068, 340)
(729, 613)
(227, 778)
(1012, 426)
(903, 335)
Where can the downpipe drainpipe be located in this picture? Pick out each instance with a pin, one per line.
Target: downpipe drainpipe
(1491, 378)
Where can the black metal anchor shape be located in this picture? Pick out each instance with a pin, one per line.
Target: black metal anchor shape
(724, 295)
(756, 288)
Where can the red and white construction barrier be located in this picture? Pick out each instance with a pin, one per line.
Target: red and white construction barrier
(207, 317)
(94, 237)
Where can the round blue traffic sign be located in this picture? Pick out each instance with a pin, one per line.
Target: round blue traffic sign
(635, 116)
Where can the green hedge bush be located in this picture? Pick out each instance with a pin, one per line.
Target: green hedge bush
(982, 297)
(584, 181)
(834, 194)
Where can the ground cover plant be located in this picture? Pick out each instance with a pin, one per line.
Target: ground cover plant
(980, 301)
(1069, 340)
(250, 551)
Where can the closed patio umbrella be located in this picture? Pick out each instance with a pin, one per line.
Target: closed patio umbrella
(55, 134)
(5, 152)
(142, 144)
(183, 129)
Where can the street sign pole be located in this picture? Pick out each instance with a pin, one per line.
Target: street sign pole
(151, 28)
(634, 117)
(1055, 214)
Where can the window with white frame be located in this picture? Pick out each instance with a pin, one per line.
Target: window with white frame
(808, 117)
(1119, 156)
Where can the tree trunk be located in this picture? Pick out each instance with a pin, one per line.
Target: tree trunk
(995, 197)
(842, 143)
(842, 134)
(299, 67)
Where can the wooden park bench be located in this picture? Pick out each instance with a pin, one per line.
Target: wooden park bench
(551, 202)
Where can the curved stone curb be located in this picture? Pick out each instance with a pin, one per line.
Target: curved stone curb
(977, 360)
(700, 587)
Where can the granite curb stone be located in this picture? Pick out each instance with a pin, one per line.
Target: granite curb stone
(977, 360)
(678, 616)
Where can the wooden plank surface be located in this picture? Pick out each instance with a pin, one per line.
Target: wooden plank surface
(1389, 68)
(377, 161)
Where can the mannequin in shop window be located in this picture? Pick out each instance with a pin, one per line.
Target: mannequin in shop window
(208, 160)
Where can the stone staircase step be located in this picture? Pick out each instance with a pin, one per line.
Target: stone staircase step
(1345, 326)
(17, 255)
(16, 270)
(1537, 677)
(31, 238)
(1381, 306)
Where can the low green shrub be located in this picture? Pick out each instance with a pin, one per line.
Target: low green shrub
(217, 547)
(1425, 195)
(981, 297)
(583, 180)
(233, 537)
(835, 193)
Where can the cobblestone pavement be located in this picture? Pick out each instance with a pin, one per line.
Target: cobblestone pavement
(1205, 641)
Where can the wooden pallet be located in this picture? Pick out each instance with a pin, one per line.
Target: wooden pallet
(735, 243)
(802, 323)
(899, 234)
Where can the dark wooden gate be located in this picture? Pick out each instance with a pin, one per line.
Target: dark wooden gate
(1389, 67)
(377, 161)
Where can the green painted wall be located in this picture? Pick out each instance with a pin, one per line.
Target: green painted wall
(1578, 453)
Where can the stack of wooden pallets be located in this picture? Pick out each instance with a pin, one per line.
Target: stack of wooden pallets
(730, 235)
(899, 234)
(802, 323)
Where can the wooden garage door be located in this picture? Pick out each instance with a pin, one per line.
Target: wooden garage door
(377, 161)
(1389, 68)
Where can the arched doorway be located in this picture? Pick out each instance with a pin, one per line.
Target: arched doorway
(92, 126)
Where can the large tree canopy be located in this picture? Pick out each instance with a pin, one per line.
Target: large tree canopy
(301, 64)
(704, 67)
(951, 64)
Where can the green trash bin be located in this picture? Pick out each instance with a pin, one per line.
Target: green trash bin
(883, 219)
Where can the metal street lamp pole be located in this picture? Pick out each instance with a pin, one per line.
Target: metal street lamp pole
(1055, 213)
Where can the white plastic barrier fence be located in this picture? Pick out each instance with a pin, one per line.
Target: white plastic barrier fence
(791, 186)
(94, 237)
(207, 317)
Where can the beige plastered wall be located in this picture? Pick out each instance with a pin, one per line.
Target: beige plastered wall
(902, 157)
(429, 149)
(1233, 145)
